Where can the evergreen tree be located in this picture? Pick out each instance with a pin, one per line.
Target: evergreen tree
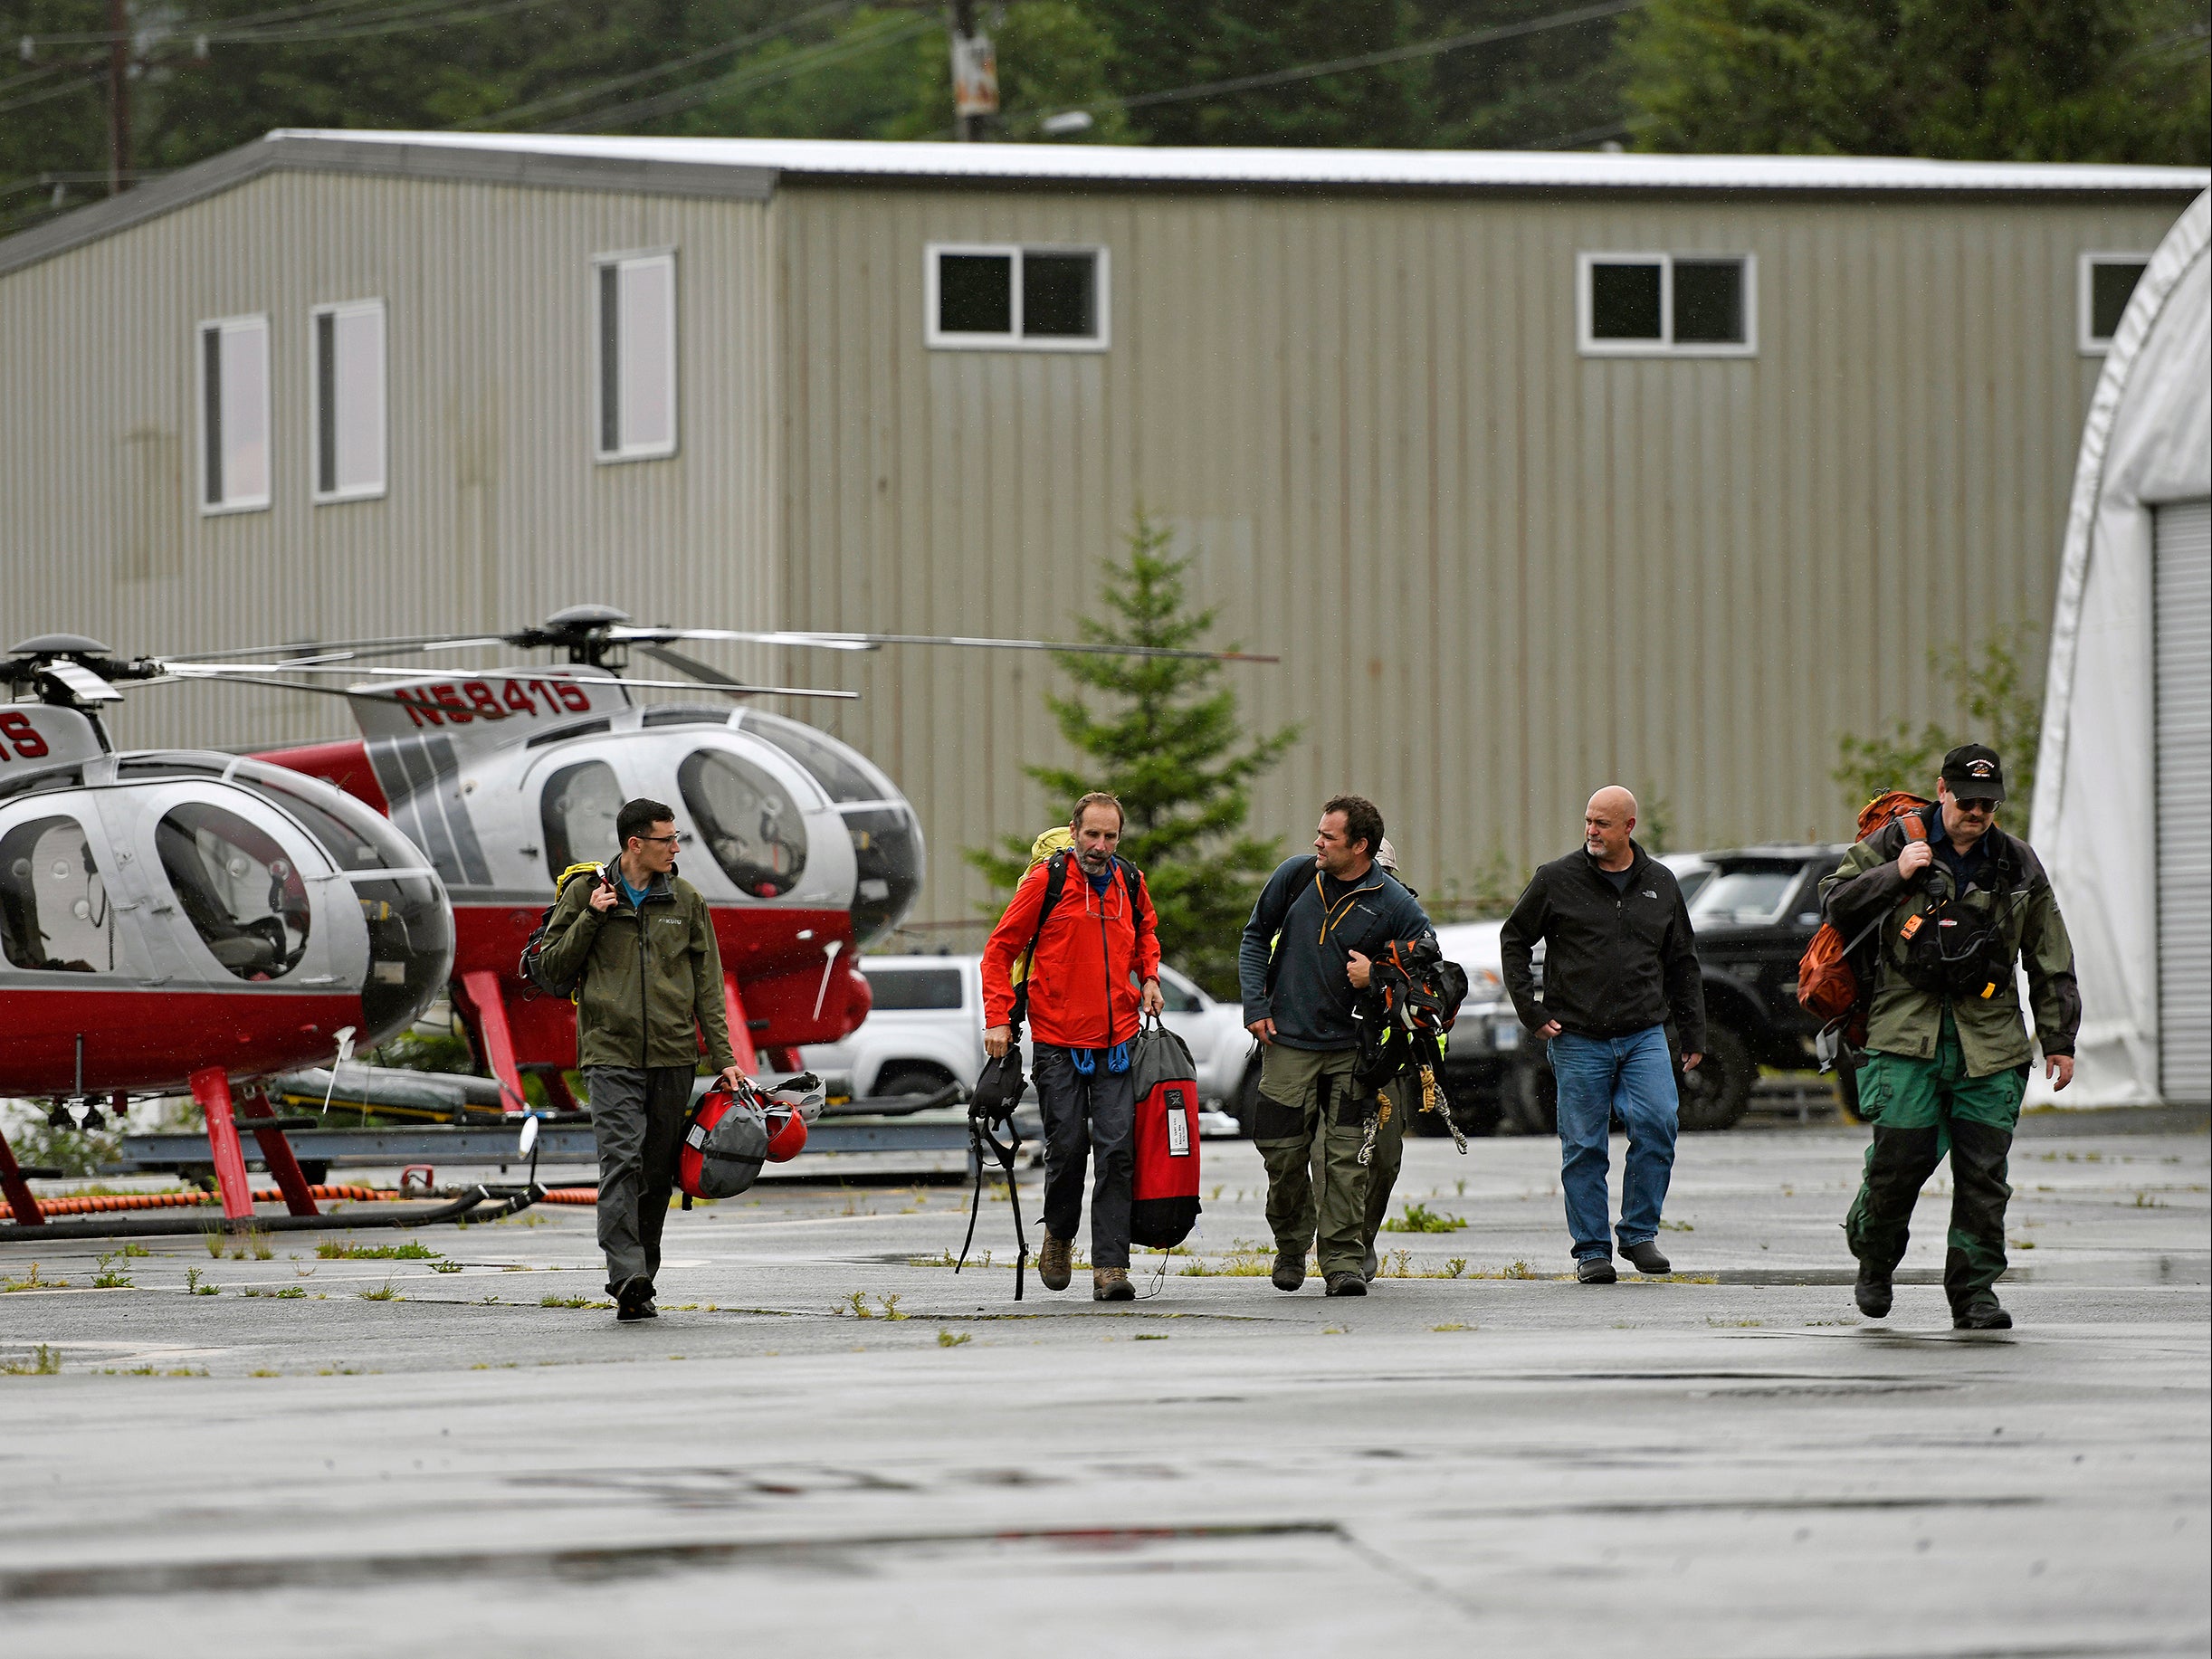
(1170, 745)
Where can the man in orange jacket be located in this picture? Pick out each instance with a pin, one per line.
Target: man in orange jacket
(1096, 947)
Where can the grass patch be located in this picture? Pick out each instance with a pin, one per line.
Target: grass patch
(1676, 1226)
(111, 1277)
(953, 1339)
(291, 1292)
(383, 1292)
(41, 1361)
(1419, 1218)
(32, 1282)
(1447, 1328)
(446, 1267)
(1455, 1266)
(569, 1302)
(347, 1250)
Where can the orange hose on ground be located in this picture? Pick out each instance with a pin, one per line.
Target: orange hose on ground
(572, 1195)
(103, 1203)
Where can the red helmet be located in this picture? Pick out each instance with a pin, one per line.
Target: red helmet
(786, 1136)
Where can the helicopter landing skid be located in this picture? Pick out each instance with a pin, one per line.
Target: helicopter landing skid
(468, 1207)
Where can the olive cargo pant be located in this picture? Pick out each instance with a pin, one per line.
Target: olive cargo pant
(637, 1117)
(1315, 1182)
(1404, 1093)
(1916, 1106)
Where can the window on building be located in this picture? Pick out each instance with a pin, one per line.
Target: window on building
(1668, 304)
(636, 331)
(1028, 299)
(347, 399)
(234, 370)
(2107, 283)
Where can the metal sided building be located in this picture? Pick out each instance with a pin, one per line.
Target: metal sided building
(1538, 470)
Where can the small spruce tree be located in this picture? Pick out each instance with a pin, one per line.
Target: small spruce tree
(1997, 704)
(1169, 743)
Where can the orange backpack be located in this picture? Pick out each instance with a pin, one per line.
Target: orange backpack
(1827, 985)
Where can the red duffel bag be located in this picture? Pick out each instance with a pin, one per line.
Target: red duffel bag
(1164, 1195)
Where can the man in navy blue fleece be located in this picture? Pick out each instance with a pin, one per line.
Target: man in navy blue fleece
(1303, 959)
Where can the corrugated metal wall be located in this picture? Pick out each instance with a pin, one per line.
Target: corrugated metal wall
(1500, 573)
(496, 512)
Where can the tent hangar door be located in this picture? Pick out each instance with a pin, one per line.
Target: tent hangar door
(2182, 540)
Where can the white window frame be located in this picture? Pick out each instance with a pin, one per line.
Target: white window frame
(600, 262)
(940, 340)
(230, 503)
(359, 493)
(2085, 302)
(1665, 346)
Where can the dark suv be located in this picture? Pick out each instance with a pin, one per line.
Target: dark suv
(1754, 915)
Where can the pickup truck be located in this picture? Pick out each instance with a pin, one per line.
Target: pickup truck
(926, 1031)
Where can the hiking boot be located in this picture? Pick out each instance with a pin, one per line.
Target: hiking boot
(1290, 1269)
(1645, 1258)
(1872, 1292)
(1595, 1270)
(1368, 1268)
(634, 1301)
(1112, 1284)
(1345, 1284)
(1983, 1313)
(1053, 1262)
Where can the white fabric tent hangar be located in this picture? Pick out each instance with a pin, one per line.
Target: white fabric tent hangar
(2122, 813)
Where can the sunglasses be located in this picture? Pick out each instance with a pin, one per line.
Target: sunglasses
(1979, 803)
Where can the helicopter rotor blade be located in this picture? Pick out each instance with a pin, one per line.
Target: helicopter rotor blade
(702, 672)
(252, 672)
(320, 650)
(875, 641)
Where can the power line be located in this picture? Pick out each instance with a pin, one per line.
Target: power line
(673, 66)
(58, 90)
(684, 98)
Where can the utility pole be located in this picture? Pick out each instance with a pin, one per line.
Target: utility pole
(119, 97)
(975, 75)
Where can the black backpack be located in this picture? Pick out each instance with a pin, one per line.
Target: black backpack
(532, 965)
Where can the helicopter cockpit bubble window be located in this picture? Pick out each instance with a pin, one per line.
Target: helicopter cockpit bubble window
(355, 838)
(237, 887)
(578, 814)
(844, 776)
(887, 860)
(55, 915)
(410, 949)
(753, 829)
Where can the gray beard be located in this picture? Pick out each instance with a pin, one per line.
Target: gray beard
(1095, 864)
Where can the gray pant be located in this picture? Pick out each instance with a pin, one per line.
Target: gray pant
(1097, 1114)
(637, 1115)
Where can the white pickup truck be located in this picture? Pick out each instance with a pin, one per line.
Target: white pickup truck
(927, 1031)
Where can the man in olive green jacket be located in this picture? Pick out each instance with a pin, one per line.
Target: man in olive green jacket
(1951, 909)
(640, 941)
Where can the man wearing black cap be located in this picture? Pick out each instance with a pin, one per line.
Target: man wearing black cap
(1953, 903)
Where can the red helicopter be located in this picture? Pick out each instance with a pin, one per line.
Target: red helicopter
(181, 919)
(504, 776)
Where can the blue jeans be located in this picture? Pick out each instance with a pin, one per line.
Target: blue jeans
(1599, 1076)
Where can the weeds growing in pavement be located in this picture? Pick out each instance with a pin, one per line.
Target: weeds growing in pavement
(446, 1267)
(890, 1304)
(32, 1282)
(261, 1243)
(1453, 1326)
(45, 1361)
(213, 1238)
(1419, 1218)
(383, 1292)
(952, 1338)
(347, 1250)
(565, 1301)
(290, 1293)
(1455, 1267)
(131, 1250)
(111, 1277)
(1677, 1226)
(856, 1304)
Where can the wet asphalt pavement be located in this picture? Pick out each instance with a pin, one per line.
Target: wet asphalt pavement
(829, 1443)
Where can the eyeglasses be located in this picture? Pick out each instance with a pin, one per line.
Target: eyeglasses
(1979, 803)
(666, 840)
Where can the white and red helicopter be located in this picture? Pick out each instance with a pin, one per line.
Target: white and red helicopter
(505, 775)
(175, 919)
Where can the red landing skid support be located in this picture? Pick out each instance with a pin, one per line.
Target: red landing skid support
(277, 1153)
(212, 1088)
(24, 1206)
(482, 990)
(740, 1032)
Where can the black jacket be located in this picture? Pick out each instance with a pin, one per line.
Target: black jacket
(1614, 963)
(1293, 962)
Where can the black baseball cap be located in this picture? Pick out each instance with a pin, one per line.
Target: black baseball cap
(1974, 773)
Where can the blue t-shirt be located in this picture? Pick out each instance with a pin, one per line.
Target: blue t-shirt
(636, 895)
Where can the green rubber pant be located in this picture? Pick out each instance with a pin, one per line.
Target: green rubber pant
(1917, 1109)
(1316, 1188)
